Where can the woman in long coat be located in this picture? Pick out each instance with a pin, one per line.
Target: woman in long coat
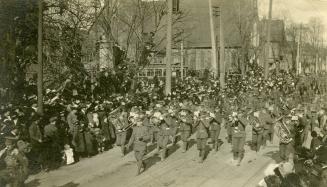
(108, 131)
(83, 140)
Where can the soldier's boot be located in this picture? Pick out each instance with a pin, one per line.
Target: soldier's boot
(216, 146)
(202, 154)
(241, 156)
(157, 149)
(229, 139)
(139, 167)
(235, 157)
(174, 140)
(163, 154)
(123, 150)
(152, 139)
(184, 147)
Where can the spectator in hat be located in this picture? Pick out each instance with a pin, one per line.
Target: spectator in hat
(51, 146)
(108, 130)
(72, 118)
(14, 164)
(36, 140)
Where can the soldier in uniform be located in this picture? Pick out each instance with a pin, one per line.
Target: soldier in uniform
(238, 136)
(185, 127)
(171, 120)
(154, 130)
(121, 132)
(163, 135)
(267, 123)
(228, 126)
(257, 131)
(285, 130)
(139, 139)
(215, 127)
(202, 133)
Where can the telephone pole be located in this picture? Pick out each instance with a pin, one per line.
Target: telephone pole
(168, 47)
(222, 49)
(40, 60)
(298, 60)
(182, 58)
(213, 42)
(268, 47)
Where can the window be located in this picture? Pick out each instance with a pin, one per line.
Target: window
(158, 72)
(164, 72)
(142, 73)
(175, 6)
(150, 73)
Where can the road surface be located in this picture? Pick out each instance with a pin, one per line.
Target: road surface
(179, 169)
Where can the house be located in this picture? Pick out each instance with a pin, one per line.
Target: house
(239, 17)
(197, 41)
(277, 52)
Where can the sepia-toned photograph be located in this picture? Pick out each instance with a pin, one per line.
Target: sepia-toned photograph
(163, 93)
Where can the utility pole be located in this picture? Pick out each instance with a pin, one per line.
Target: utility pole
(298, 60)
(317, 55)
(97, 42)
(182, 58)
(168, 47)
(213, 42)
(268, 47)
(40, 60)
(222, 49)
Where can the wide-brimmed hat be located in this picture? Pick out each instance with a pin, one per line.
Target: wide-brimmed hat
(11, 139)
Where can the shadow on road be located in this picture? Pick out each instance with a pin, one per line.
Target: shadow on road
(207, 151)
(172, 149)
(149, 162)
(33, 183)
(191, 143)
(274, 155)
(70, 184)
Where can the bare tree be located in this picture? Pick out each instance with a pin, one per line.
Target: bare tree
(137, 27)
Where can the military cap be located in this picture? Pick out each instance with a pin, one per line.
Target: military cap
(295, 118)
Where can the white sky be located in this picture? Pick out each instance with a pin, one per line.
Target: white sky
(296, 10)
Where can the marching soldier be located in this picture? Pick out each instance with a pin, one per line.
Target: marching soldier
(228, 126)
(154, 129)
(121, 125)
(238, 136)
(257, 131)
(202, 127)
(171, 120)
(185, 127)
(285, 131)
(163, 135)
(139, 139)
(215, 127)
(267, 123)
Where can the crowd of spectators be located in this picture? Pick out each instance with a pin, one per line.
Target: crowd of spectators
(76, 120)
